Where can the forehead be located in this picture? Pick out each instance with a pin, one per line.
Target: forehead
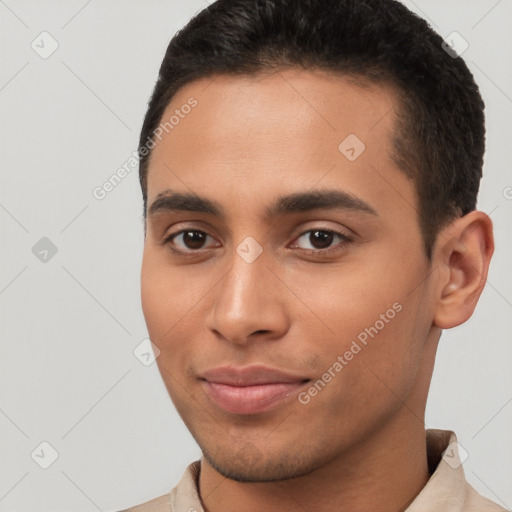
(283, 130)
(278, 108)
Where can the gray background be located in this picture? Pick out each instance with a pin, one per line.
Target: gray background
(68, 374)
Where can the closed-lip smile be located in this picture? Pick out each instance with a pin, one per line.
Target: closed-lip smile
(250, 389)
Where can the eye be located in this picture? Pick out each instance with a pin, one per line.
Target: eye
(187, 240)
(320, 240)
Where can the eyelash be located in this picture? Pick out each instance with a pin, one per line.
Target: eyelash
(345, 240)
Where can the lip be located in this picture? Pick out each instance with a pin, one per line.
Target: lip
(249, 390)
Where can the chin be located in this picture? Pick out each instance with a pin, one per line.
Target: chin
(249, 464)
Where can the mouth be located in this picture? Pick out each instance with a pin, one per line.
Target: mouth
(250, 390)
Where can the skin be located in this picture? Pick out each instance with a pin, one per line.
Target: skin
(359, 444)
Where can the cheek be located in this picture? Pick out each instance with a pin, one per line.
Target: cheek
(173, 306)
(154, 300)
(165, 305)
(378, 364)
(375, 324)
(165, 296)
(161, 302)
(349, 301)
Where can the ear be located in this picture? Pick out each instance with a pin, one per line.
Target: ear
(462, 255)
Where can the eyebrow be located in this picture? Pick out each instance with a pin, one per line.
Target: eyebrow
(169, 201)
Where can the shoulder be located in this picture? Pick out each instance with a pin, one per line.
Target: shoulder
(181, 497)
(448, 488)
(475, 502)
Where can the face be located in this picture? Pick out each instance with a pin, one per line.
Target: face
(329, 289)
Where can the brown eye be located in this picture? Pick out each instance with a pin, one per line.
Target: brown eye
(193, 239)
(321, 240)
(187, 241)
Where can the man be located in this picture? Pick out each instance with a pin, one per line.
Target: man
(310, 171)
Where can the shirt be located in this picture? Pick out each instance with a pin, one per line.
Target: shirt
(446, 490)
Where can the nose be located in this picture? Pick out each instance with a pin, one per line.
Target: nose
(248, 303)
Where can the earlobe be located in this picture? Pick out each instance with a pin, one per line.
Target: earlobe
(463, 256)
